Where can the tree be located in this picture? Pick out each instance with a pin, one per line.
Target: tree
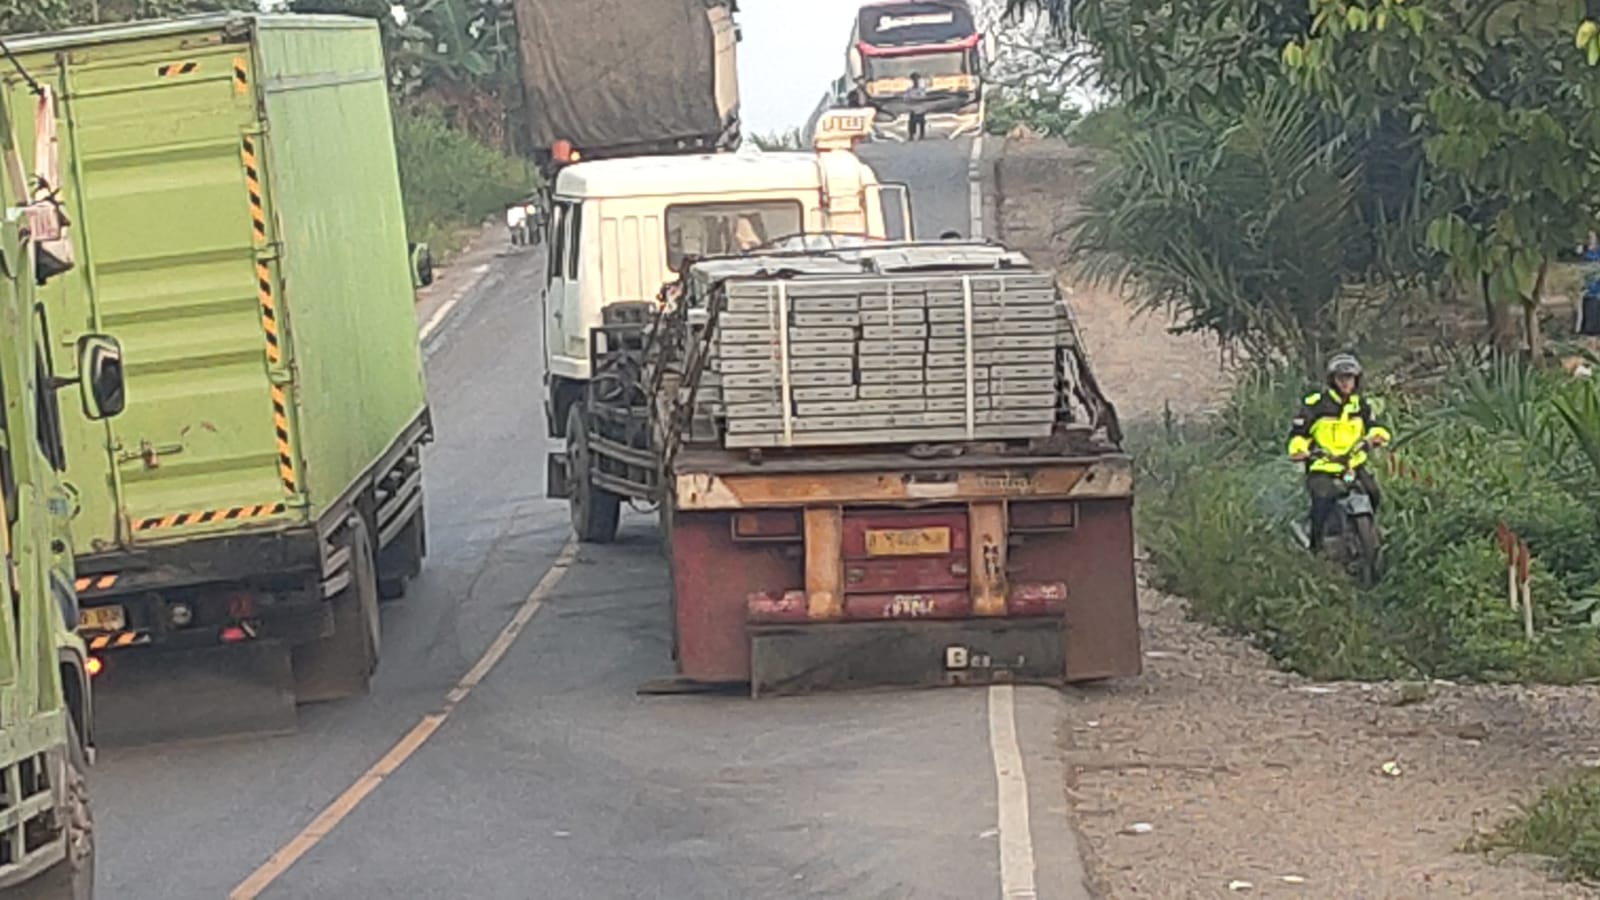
(458, 57)
(1194, 54)
(1505, 111)
(1247, 226)
(778, 140)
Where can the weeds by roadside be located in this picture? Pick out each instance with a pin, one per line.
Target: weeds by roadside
(1564, 825)
(1219, 506)
(451, 181)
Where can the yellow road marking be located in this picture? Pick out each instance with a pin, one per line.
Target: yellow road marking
(346, 803)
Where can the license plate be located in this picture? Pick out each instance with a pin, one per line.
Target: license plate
(908, 542)
(102, 618)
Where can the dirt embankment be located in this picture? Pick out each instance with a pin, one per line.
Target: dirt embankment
(1253, 782)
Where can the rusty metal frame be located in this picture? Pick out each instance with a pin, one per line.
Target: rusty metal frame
(1064, 479)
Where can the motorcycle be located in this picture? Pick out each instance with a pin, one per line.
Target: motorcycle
(1350, 532)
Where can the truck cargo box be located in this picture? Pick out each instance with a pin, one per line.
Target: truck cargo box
(236, 205)
(620, 77)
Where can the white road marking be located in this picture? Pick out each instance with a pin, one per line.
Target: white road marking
(370, 780)
(1016, 834)
(975, 186)
(1017, 878)
(444, 310)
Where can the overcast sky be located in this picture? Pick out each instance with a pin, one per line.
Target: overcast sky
(792, 50)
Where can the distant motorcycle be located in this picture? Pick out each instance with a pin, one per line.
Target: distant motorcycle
(1350, 532)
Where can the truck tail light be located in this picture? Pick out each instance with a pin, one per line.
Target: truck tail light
(95, 665)
(768, 525)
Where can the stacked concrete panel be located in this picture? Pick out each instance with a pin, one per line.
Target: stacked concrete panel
(862, 359)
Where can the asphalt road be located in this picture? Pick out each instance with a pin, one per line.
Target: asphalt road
(552, 778)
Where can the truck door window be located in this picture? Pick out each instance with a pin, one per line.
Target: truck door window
(574, 239)
(716, 229)
(558, 242)
(47, 400)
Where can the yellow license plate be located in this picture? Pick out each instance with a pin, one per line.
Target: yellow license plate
(908, 542)
(102, 618)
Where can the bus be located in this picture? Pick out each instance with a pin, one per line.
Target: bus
(918, 63)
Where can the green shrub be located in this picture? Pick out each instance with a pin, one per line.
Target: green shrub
(1563, 824)
(1219, 504)
(451, 181)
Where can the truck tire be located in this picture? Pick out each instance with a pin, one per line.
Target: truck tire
(596, 512)
(401, 561)
(73, 877)
(341, 664)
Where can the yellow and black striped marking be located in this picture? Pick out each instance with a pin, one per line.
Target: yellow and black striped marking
(280, 421)
(269, 313)
(178, 520)
(118, 639)
(174, 70)
(241, 75)
(96, 583)
(252, 178)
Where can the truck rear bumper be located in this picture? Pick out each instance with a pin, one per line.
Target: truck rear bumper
(797, 659)
(870, 576)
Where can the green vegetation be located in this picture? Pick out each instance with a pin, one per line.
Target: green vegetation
(1049, 112)
(790, 139)
(1564, 824)
(1222, 507)
(453, 75)
(451, 181)
(28, 16)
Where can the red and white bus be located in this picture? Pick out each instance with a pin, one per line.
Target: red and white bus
(918, 62)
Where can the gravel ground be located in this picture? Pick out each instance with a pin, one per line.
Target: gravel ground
(1251, 781)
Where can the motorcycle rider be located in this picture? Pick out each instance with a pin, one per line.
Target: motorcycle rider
(1334, 421)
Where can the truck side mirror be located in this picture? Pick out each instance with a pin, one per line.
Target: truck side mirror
(101, 383)
(421, 266)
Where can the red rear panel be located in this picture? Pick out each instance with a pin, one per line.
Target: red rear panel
(906, 564)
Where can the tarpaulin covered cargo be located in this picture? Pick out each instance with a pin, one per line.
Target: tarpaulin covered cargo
(621, 75)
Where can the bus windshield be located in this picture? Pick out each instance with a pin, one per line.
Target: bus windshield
(930, 65)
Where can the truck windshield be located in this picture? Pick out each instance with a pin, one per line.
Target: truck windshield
(715, 229)
(931, 65)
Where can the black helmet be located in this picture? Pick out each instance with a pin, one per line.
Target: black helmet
(1344, 364)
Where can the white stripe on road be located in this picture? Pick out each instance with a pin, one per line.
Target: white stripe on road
(975, 188)
(444, 310)
(370, 780)
(1016, 834)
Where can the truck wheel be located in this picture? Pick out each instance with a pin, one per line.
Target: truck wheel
(596, 511)
(73, 877)
(341, 664)
(401, 561)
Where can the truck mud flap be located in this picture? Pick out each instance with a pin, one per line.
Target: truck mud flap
(156, 697)
(800, 659)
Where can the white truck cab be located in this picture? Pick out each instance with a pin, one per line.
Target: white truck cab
(620, 227)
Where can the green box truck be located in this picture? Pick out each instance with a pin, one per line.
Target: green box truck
(236, 212)
(46, 712)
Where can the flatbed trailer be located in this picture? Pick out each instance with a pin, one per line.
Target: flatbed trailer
(866, 564)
